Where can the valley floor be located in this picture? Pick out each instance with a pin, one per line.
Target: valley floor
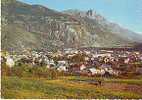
(70, 87)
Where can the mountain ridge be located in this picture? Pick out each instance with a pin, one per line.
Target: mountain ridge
(38, 27)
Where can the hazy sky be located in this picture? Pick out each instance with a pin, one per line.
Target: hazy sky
(127, 13)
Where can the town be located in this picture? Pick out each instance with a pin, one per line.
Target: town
(80, 61)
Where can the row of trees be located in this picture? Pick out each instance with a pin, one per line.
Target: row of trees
(28, 71)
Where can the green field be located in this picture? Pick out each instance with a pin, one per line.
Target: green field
(68, 88)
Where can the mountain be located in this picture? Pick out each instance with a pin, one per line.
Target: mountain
(26, 26)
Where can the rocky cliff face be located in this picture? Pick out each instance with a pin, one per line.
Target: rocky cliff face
(37, 27)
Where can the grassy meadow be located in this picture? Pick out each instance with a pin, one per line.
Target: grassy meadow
(66, 88)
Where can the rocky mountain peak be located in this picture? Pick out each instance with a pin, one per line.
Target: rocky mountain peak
(36, 27)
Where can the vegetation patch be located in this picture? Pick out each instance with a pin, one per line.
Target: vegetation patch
(14, 87)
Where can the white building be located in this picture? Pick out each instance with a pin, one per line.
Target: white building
(10, 62)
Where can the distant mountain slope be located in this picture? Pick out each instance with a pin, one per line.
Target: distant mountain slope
(37, 27)
(105, 25)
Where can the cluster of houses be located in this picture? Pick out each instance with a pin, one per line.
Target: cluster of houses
(81, 62)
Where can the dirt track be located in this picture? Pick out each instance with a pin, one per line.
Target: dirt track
(123, 87)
